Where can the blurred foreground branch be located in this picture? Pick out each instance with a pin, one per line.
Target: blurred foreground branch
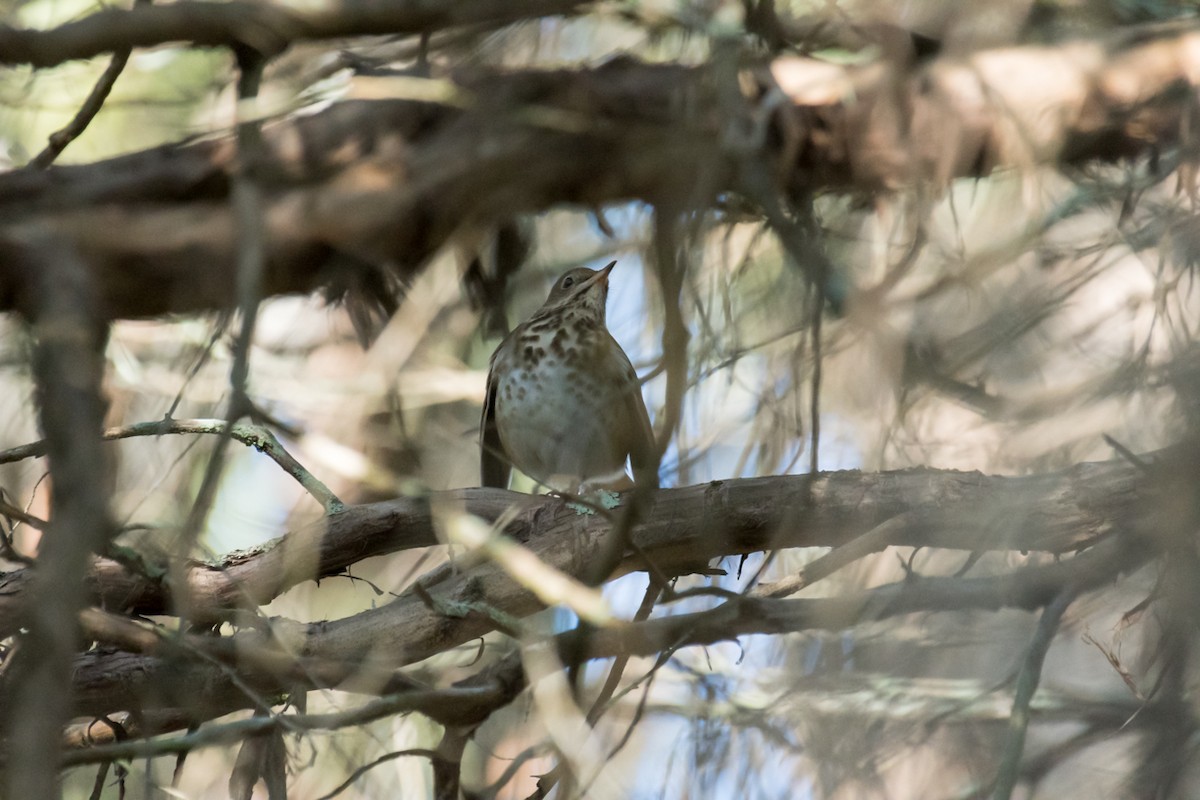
(68, 367)
(265, 27)
(382, 184)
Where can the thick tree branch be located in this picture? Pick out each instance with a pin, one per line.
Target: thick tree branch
(206, 676)
(266, 27)
(684, 530)
(108, 682)
(380, 185)
(1062, 512)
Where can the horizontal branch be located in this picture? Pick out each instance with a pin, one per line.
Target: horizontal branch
(365, 187)
(236, 731)
(249, 434)
(267, 27)
(1028, 589)
(201, 685)
(684, 531)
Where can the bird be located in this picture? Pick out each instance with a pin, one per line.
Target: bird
(563, 403)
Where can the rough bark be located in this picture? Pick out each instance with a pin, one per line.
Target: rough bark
(685, 530)
(265, 666)
(1059, 512)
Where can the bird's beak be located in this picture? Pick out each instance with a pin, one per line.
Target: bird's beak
(602, 275)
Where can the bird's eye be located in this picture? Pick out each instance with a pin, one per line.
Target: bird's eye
(568, 282)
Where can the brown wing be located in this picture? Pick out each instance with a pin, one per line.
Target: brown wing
(494, 466)
(639, 435)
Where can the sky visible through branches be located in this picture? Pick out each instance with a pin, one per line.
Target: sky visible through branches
(927, 525)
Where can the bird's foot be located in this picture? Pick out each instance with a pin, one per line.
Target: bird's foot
(576, 502)
(588, 502)
(607, 499)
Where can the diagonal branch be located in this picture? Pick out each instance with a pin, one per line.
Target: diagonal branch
(87, 112)
(1027, 683)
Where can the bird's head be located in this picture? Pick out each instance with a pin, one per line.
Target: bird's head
(582, 287)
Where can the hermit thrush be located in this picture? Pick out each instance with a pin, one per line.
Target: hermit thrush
(563, 402)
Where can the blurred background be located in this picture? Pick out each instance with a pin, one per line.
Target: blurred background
(1005, 325)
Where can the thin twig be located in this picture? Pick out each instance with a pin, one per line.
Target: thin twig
(620, 662)
(231, 732)
(490, 791)
(383, 759)
(252, 435)
(20, 515)
(870, 542)
(1027, 683)
(1125, 453)
(675, 333)
(814, 406)
(90, 108)
(246, 199)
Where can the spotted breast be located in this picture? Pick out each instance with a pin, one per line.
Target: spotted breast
(563, 403)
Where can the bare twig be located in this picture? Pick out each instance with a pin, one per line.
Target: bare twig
(621, 662)
(615, 672)
(257, 436)
(231, 732)
(814, 403)
(870, 542)
(383, 759)
(20, 515)
(1027, 682)
(670, 269)
(492, 790)
(1114, 661)
(247, 202)
(90, 108)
